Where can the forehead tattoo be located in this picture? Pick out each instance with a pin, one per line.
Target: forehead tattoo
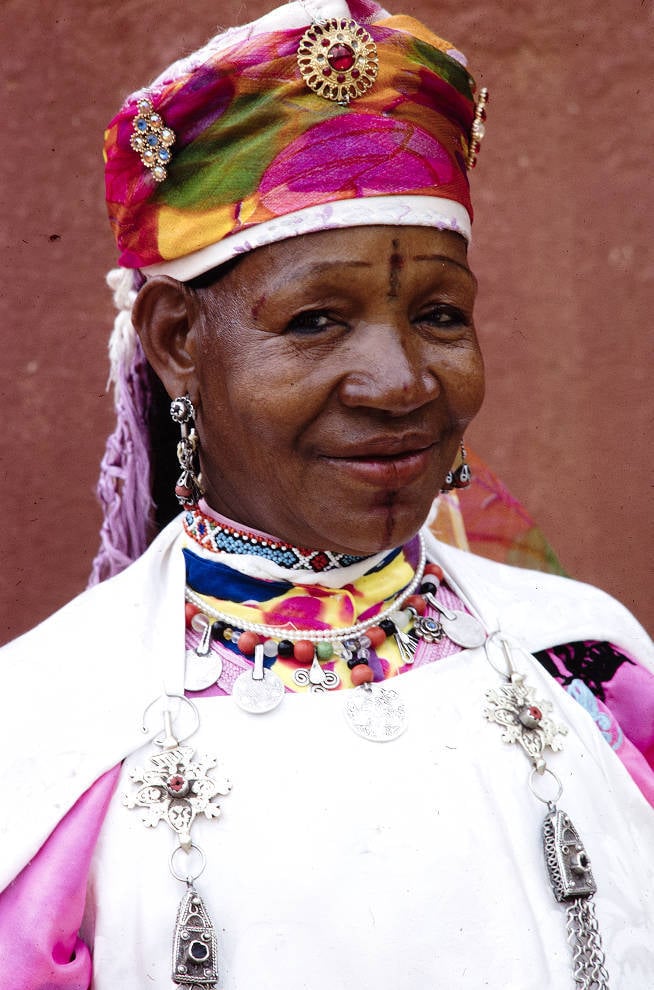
(395, 265)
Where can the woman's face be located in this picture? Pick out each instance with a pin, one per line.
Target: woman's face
(335, 374)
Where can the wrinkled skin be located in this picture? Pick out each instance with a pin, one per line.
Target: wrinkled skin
(333, 376)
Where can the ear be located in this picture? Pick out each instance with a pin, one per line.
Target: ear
(164, 316)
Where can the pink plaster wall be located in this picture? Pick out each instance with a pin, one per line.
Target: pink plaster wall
(562, 249)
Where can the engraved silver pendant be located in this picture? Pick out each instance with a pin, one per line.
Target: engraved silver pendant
(376, 713)
(462, 628)
(203, 666)
(258, 696)
(524, 718)
(406, 646)
(317, 682)
(201, 671)
(428, 629)
(259, 690)
(568, 863)
(175, 788)
(194, 944)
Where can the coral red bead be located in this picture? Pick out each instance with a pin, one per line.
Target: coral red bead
(303, 651)
(247, 642)
(189, 611)
(435, 570)
(340, 57)
(361, 674)
(417, 602)
(376, 635)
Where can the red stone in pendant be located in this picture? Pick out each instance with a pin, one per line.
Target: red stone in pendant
(340, 57)
(535, 713)
(176, 783)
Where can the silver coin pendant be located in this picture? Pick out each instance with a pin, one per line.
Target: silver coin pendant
(258, 696)
(376, 713)
(201, 672)
(464, 630)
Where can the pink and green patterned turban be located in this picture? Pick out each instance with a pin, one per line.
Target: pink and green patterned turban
(231, 148)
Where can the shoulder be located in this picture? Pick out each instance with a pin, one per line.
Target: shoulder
(87, 675)
(91, 617)
(541, 609)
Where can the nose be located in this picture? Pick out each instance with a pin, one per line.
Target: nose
(389, 371)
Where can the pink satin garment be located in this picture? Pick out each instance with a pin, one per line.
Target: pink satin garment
(41, 911)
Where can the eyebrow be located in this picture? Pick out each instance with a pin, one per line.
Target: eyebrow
(319, 267)
(445, 258)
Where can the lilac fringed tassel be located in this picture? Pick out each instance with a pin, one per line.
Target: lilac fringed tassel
(124, 483)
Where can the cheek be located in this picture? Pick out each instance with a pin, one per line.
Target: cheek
(251, 404)
(465, 385)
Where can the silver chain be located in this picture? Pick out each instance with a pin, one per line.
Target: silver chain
(314, 635)
(589, 964)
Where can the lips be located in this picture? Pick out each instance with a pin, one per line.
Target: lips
(387, 462)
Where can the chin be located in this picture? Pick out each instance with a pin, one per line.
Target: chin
(379, 527)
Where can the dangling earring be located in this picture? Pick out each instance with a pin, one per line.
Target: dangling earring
(189, 484)
(459, 477)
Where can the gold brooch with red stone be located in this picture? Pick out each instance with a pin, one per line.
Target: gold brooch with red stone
(338, 60)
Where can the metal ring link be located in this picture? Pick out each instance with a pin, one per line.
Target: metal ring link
(188, 877)
(164, 698)
(498, 641)
(550, 801)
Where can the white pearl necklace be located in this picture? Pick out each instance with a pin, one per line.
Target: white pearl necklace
(313, 635)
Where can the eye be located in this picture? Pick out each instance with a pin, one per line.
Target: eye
(444, 316)
(313, 322)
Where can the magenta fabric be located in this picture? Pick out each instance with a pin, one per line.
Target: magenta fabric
(42, 910)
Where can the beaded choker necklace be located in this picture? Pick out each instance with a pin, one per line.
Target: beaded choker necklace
(222, 536)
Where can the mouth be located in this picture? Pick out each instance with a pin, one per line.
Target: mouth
(387, 463)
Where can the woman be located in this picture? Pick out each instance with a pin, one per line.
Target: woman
(295, 196)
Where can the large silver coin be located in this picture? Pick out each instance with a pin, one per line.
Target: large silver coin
(464, 630)
(201, 671)
(376, 713)
(258, 696)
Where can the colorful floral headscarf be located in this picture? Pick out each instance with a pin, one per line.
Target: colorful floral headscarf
(250, 154)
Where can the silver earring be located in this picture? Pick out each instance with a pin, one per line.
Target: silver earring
(189, 484)
(459, 477)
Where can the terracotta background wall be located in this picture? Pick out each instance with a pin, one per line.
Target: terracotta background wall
(563, 250)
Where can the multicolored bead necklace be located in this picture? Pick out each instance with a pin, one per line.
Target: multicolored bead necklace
(414, 616)
(310, 646)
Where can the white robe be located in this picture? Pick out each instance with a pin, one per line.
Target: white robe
(337, 863)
